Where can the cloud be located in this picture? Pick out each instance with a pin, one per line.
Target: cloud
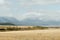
(46, 1)
(8, 7)
(30, 15)
(38, 2)
(45, 15)
(2, 1)
(5, 9)
(6, 15)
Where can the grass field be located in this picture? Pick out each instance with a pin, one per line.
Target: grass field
(49, 34)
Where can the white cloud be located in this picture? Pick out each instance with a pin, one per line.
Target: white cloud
(34, 14)
(30, 15)
(38, 2)
(2, 1)
(41, 15)
(6, 15)
(5, 8)
(42, 2)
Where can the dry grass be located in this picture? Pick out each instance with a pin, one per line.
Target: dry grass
(51, 34)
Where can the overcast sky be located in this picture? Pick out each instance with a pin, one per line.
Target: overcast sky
(33, 9)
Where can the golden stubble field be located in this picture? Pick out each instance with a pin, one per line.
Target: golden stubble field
(49, 34)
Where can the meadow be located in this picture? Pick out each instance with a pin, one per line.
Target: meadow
(52, 34)
(40, 34)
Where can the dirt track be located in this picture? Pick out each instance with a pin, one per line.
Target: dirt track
(31, 35)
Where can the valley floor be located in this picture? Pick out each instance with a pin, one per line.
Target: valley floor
(49, 34)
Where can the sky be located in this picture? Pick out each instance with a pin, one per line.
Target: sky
(33, 9)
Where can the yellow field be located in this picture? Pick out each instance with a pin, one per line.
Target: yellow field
(51, 34)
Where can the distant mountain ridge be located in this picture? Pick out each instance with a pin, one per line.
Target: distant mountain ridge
(26, 22)
(8, 20)
(6, 24)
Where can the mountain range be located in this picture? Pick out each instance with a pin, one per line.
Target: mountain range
(27, 22)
